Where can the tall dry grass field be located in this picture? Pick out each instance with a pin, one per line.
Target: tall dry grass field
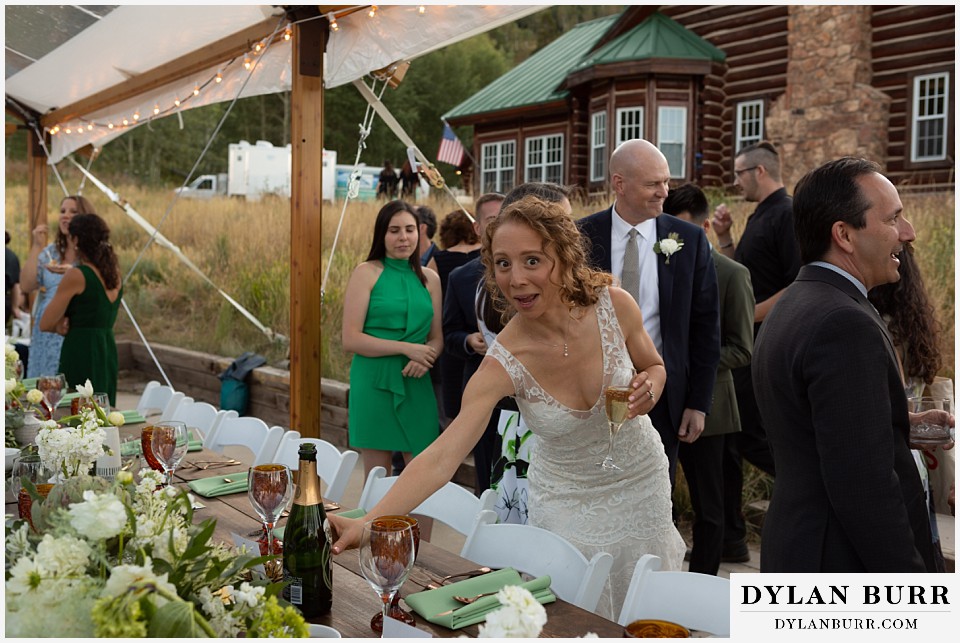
(244, 248)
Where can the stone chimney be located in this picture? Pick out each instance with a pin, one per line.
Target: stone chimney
(829, 109)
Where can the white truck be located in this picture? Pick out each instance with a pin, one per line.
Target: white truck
(205, 186)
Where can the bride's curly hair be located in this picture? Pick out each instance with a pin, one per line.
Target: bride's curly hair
(579, 284)
(93, 244)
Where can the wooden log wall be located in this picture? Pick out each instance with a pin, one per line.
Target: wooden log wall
(196, 373)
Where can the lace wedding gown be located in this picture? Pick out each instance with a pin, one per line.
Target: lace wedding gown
(626, 513)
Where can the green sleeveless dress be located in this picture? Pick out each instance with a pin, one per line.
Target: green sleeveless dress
(388, 411)
(89, 350)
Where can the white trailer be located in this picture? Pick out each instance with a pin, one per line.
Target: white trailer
(253, 170)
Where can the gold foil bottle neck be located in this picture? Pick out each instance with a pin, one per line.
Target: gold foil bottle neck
(308, 485)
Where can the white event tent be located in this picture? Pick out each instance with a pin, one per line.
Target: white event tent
(79, 76)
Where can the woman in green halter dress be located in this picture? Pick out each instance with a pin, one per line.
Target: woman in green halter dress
(391, 322)
(84, 308)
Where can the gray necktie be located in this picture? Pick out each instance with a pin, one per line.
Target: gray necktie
(630, 277)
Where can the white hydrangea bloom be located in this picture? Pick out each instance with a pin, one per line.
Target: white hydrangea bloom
(99, 517)
(123, 576)
(64, 556)
(248, 594)
(520, 617)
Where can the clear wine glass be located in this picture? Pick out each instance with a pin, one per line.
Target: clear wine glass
(615, 397)
(168, 443)
(52, 387)
(387, 552)
(269, 487)
(396, 612)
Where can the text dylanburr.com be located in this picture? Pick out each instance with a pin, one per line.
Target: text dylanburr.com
(828, 607)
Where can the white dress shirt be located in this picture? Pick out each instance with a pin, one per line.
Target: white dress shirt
(649, 295)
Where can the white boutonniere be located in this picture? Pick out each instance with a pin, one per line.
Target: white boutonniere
(668, 246)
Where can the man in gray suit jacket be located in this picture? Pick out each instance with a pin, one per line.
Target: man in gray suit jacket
(704, 461)
(676, 288)
(847, 496)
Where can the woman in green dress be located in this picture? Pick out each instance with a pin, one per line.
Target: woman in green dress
(391, 322)
(85, 306)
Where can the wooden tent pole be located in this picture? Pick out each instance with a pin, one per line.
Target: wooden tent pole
(306, 135)
(36, 182)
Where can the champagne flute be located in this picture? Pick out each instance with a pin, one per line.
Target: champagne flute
(397, 612)
(52, 388)
(616, 394)
(386, 555)
(269, 487)
(168, 443)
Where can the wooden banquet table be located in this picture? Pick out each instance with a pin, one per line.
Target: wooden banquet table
(354, 601)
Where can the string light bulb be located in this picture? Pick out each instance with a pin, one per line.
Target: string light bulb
(247, 63)
(89, 127)
(196, 90)
(176, 102)
(422, 9)
(109, 125)
(287, 33)
(136, 116)
(125, 122)
(219, 78)
(67, 130)
(373, 11)
(258, 47)
(333, 22)
(156, 109)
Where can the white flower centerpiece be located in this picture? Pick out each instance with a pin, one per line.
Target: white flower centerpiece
(73, 448)
(125, 560)
(20, 405)
(521, 616)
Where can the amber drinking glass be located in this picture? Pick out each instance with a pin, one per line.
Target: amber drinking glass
(397, 612)
(387, 553)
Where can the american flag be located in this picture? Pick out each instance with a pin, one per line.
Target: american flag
(451, 149)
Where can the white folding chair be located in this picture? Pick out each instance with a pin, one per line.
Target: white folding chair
(250, 432)
(211, 436)
(333, 467)
(451, 504)
(200, 416)
(696, 601)
(20, 329)
(158, 397)
(539, 552)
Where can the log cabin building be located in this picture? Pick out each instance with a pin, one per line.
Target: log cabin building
(703, 81)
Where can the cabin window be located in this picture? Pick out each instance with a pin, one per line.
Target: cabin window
(629, 124)
(544, 159)
(931, 103)
(749, 123)
(598, 146)
(672, 138)
(499, 162)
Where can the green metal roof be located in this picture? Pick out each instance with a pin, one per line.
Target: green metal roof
(656, 37)
(537, 79)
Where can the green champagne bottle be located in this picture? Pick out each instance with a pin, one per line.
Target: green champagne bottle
(306, 547)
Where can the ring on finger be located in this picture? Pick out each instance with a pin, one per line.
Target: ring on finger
(652, 398)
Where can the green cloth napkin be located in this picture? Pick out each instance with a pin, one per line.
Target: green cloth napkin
(434, 602)
(29, 382)
(352, 513)
(215, 486)
(133, 447)
(132, 417)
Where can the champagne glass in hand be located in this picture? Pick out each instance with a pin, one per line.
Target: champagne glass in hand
(616, 394)
(269, 487)
(168, 443)
(387, 553)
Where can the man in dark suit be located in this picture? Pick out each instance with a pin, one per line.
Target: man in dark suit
(704, 461)
(461, 335)
(665, 264)
(847, 496)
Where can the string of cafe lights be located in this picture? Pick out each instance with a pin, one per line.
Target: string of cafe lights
(82, 125)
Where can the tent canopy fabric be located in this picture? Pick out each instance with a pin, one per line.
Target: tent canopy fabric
(66, 55)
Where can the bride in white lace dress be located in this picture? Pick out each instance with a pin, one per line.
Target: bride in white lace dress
(571, 328)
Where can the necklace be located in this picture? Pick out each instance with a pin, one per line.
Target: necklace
(566, 352)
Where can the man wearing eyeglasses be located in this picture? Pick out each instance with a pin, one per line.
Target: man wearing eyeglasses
(768, 248)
